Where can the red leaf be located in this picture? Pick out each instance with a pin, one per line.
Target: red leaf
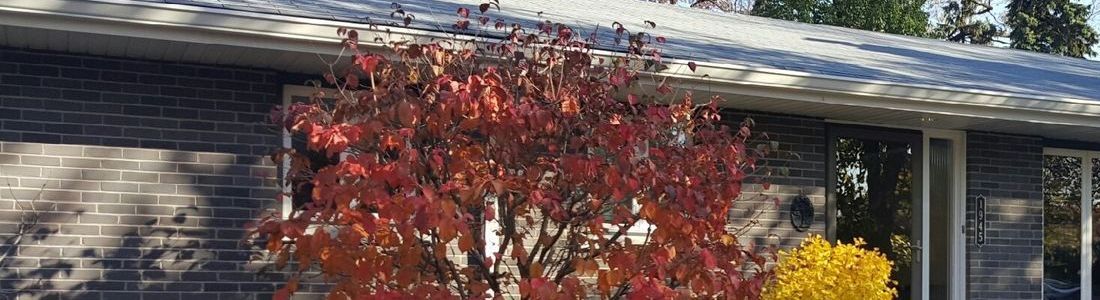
(708, 259)
(368, 63)
(281, 294)
(462, 24)
(632, 99)
(691, 65)
(664, 88)
(483, 7)
(490, 214)
(352, 81)
(464, 12)
(661, 39)
(353, 36)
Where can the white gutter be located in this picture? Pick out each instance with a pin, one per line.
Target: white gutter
(287, 33)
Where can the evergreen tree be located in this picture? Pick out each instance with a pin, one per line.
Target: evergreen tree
(959, 25)
(892, 16)
(1051, 26)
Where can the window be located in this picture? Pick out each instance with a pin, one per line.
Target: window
(1070, 185)
(300, 189)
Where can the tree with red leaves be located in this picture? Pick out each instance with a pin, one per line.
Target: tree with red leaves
(531, 166)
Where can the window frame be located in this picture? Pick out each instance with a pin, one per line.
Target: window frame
(288, 94)
(1087, 169)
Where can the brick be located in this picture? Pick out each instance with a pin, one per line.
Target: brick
(140, 177)
(20, 171)
(145, 133)
(78, 185)
(102, 130)
(157, 79)
(119, 164)
(87, 218)
(159, 166)
(41, 138)
(139, 199)
(140, 154)
(39, 70)
(210, 158)
(120, 187)
(158, 188)
(100, 175)
(159, 144)
(79, 73)
(41, 92)
(62, 150)
(102, 64)
(121, 142)
(176, 178)
(21, 148)
(115, 209)
(176, 200)
(103, 152)
(79, 162)
(22, 126)
(155, 210)
(179, 156)
(36, 251)
(38, 115)
(118, 76)
(96, 197)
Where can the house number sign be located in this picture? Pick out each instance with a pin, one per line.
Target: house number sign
(979, 220)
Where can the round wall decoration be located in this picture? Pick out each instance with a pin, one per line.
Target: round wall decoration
(802, 213)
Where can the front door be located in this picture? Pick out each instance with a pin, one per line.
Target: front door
(876, 194)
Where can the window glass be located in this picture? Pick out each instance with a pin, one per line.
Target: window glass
(1061, 227)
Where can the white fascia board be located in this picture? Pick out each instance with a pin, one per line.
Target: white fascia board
(287, 33)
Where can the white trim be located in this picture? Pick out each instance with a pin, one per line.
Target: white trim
(288, 204)
(958, 207)
(925, 216)
(279, 32)
(1087, 200)
(1086, 224)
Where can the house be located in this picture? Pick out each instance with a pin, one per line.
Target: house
(133, 136)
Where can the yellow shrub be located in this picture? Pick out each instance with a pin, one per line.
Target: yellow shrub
(818, 270)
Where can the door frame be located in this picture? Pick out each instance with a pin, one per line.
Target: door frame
(1087, 157)
(958, 208)
(837, 128)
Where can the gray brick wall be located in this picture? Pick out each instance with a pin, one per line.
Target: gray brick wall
(802, 146)
(148, 173)
(1006, 169)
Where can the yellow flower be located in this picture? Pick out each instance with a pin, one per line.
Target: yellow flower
(819, 270)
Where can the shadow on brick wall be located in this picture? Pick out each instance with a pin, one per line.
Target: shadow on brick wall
(135, 244)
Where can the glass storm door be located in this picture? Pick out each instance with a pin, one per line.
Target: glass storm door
(1071, 186)
(876, 194)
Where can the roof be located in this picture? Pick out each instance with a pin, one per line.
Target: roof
(748, 41)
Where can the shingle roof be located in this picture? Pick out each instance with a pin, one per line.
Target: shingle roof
(744, 40)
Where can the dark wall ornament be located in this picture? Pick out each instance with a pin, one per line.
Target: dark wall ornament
(802, 213)
(979, 221)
